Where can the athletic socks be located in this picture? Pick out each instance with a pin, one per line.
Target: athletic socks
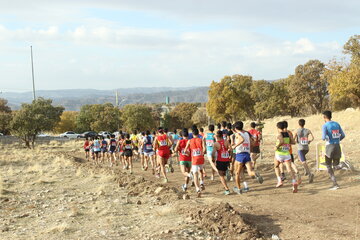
(245, 185)
(279, 179)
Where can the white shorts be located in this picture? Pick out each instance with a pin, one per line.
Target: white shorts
(148, 154)
(282, 158)
(197, 168)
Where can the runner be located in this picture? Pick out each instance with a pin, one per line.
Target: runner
(175, 138)
(86, 148)
(282, 155)
(141, 145)
(97, 150)
(255, 149)
(184, 158)
(242, 145)
(128, 146)
(221, 154)
(223, 129)
(112, 149)
(197, 149)
(332, 134)
(134, 139)
(149, 152)
(302, 139)
(201, 132)
(209, 140)
(168, 166)
(162, 146)
(104, 148)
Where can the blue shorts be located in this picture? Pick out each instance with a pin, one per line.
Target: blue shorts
(243, 157)
(302, 155)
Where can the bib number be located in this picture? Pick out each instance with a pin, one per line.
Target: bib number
(196, 152)
(304, 141)
(225, 155)
(285, 147)
(127, 146)
(163, 143)
(246, 147)
(209, 143)
(335, 133)
(148, 146)
(184, 153)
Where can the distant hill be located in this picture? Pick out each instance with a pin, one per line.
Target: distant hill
(73, 99)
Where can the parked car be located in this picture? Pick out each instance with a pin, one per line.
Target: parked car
(104, 134)
(87, 134)
(43, 135)
(69, 135)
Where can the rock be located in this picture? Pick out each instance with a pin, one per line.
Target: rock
(186, 196)
(158, 190)
(101, 192)
(138, 202)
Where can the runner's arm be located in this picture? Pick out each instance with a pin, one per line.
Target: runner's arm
(323, 132)
(296, 138)
(211, 161)
(238, 141)
(177, 147)
(342, 136)
(312, 136)
(187, 146)
(281, 141)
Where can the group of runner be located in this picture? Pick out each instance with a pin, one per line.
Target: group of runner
(230, 151)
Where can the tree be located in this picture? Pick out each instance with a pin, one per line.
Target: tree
(352, 47)
(308, 87)
(183, 112)
(35, 118)
(230, 98)
(200, 117)
(5, 116)
(261, 94)
(137, 117)
(84, 118)
(67, 122)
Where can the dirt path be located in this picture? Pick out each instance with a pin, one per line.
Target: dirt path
(313, 213)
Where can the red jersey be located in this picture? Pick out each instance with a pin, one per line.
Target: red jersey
(163, 142)
(256, 135)
(184, 156)
(197, 154)
(223, 153)
(86, 144)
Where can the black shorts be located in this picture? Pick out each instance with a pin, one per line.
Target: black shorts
(87, 150)
(255, 149)
(128, 153)
(222, 166)
(292, 157)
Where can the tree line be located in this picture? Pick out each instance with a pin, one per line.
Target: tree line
(312, 88)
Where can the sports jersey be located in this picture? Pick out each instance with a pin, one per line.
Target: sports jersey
(332, 133)
(184, 156)
(223, 153)
(197, 154)
(256, 136)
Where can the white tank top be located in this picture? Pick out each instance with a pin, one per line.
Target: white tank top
(245, 146)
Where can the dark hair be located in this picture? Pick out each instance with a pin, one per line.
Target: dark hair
(166, 130)
(96, 138)
(253, 124)
(327, 114)
(154, 133)
(112, 135)
(185, 133)
(195, 131)
(223, 124)
(229, 125)
(219, 134)
(302, 122)
(160, 130)
(147, 132)
(127, 136)
(239, 125)
(142, 133)
(175, 131)
(185, 130)
(102, 137)
(211, 127)
(229, 133)
(194, 127)
(285, 124)
(201, 129)
(135, 132)
(219, 125)
(280, 125)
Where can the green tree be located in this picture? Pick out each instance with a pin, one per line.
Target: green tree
(230, 98)
(183, 112)
(67, 122)
(106, 117)
(84, 118)
(5, 116)
(137, 117)
(35, 118)
(200, 117)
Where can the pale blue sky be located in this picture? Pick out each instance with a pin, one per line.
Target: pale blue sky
(112, 44)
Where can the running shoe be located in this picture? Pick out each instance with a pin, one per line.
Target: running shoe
(349, 166)
(231, 179)
(279, 184)
(198, 193)
(259, 178)
(295, 188)
(202, 186)
(192, 184)
(166, 180)
(227, 192)
(335, 187)
(311, 178)
(183, 187)
(236, 190)
(245, 190)
(157, 175)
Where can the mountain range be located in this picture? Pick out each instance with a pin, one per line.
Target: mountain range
(73, 99)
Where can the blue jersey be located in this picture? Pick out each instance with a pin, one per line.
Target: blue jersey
(210, 140)
(148, 147)
(176, 138)
(332, 133)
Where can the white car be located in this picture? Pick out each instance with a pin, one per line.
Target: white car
(43, 135)
(104, 134)
(69, 135)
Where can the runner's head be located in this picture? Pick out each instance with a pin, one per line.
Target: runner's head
(201, 130)
(239, 125)
(211, 128)
(327, 115)
(135, 132)
(195, 132)
(194, 127)
(160, 130)
(142, 133)
(252, 124)
(219, 135)
(103, 138)
(228, 126)
(127, 136)
(302, 123)
(280, 126)
(185, 130)
(166, 130)
(285, 124)
(218, 126)
(175, 131)
(185, 134)
(112, 136)
(147, 133)
(223, 124)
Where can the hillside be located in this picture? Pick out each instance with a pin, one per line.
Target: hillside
(73, 99)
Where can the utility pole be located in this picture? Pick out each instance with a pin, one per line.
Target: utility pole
(117, 99)
(32, 68)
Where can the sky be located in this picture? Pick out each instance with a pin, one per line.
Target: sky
(111, 44)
